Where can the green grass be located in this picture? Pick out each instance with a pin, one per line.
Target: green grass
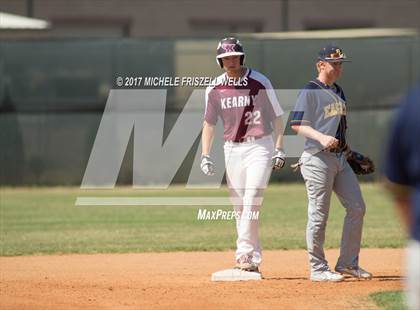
(393, 300)
(45, 220)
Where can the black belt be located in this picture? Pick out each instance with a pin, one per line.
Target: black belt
(337, 149)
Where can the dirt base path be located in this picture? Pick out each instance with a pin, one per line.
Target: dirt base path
(182, 281)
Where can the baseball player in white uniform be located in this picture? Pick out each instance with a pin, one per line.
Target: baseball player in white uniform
(250, 114)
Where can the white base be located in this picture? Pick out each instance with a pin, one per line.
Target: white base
(235, 275)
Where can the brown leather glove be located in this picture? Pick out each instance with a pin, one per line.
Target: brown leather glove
(359, 163)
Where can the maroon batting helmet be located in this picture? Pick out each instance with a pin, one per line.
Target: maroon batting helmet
(229, 47)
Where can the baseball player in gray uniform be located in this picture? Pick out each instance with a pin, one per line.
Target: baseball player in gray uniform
(250, 114)
(320, 116)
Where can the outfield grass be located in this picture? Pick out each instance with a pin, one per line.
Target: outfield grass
(45, 220)
(393, 300)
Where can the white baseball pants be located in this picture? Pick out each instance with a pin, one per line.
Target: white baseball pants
(248, 169)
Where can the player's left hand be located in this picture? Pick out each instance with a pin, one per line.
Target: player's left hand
(279, 159)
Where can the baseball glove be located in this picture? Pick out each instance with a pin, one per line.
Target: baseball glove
(359, 163)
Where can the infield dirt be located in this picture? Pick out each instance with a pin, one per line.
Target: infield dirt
(181, 280)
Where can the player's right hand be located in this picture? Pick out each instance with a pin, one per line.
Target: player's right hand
(328, 142)
(278, 160)
(207, 165)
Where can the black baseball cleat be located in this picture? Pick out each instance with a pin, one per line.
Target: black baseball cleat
(356, 272)
(248, 268)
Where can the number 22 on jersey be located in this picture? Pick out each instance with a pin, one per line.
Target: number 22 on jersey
(252, 118)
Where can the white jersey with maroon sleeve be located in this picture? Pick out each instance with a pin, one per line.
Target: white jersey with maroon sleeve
(246, 110)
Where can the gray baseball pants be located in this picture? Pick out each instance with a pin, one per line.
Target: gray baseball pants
(323, 173)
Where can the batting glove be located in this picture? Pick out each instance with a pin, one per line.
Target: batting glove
(278, 160)
(207, 165)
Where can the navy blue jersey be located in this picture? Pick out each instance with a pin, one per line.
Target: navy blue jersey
(402, 161)
(323, 108)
